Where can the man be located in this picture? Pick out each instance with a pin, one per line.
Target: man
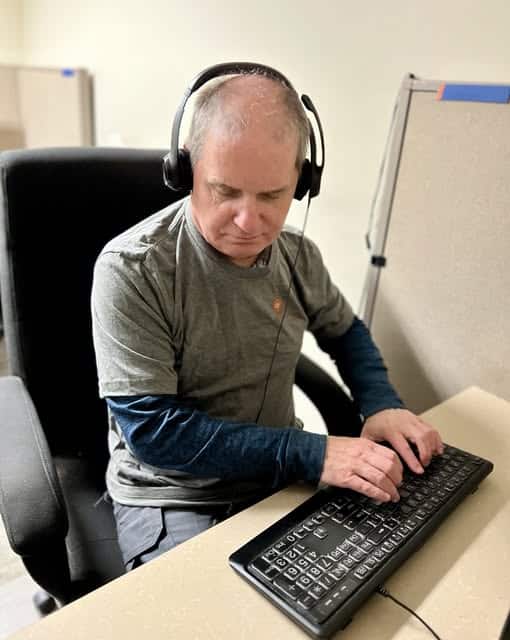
(187, 307)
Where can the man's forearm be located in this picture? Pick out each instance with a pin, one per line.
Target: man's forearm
(162, 432)
(362, 368)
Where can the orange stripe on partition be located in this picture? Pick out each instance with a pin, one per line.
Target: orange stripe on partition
(440, 91)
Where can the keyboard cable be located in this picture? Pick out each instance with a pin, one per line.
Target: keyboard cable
(384, 592)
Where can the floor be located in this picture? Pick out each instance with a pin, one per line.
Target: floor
(16, 586)
(16, 607)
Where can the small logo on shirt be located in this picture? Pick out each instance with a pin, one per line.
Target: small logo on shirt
(277, 305)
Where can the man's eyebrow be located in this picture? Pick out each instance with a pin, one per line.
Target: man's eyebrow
(222, 185)
(274, 192)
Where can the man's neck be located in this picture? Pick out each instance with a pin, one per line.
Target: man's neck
(260, 260)
(244, 262)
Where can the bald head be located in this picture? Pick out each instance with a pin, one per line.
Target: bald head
(236, 104)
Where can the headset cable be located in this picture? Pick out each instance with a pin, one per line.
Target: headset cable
(286, 301)
(384, 592)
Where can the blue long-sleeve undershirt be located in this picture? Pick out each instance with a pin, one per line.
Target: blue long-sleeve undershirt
(166, 433)
(362, 368)
(163, 433)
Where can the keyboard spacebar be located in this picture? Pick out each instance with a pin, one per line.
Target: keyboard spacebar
(332, 601)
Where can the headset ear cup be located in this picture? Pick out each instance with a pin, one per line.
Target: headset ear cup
(179, 177)
(168, 172)
(305, 180)
(185, 171)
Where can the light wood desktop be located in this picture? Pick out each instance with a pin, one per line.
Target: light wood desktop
(459, 581)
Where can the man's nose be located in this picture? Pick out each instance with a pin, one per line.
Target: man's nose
(247, 218)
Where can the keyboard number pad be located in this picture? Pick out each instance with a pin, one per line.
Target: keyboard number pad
(304, 581)
(292, 573)
(314, 572)
(289, 587)
(302, 564)
(292, 555)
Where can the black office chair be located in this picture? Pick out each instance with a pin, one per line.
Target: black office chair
(58, 207)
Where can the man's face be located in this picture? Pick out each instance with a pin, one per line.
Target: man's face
(242, 190)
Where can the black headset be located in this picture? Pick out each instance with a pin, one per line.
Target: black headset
(177, 170)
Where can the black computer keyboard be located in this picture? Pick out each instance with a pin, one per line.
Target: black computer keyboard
(326, 557)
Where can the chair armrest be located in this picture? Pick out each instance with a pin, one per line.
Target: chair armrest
(31, 501)
(336, 408)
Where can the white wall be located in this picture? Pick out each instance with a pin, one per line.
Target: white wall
(349, 56)
(11, 44)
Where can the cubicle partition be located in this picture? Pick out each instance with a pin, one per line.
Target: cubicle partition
(45, 107)
(436, 295)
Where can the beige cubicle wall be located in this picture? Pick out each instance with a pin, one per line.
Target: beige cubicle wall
(45, 107)
(440, 308)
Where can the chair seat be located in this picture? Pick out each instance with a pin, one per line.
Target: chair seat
(93, 550)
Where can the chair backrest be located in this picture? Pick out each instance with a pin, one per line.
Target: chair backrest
(58, 208)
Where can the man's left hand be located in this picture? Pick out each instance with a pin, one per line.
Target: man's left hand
(399, 427)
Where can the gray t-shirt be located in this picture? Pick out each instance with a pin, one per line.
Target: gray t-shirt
(171, 315)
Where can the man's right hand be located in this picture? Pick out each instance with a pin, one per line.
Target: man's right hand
(363, 466)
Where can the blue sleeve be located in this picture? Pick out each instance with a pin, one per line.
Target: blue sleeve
(362, 368)
(164, 433)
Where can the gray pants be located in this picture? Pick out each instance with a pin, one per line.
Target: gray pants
(146, 532)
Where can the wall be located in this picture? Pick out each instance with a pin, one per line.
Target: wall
(349, 56)
(11, 40)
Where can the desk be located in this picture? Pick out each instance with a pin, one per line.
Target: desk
(459, 582)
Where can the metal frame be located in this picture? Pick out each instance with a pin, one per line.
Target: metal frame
(383, 203)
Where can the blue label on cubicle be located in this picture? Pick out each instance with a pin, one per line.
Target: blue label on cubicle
(474, 92)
